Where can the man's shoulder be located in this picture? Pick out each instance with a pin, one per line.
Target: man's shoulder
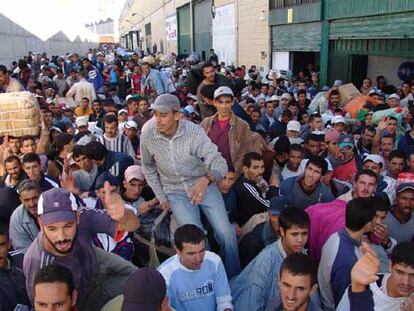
(168, 267)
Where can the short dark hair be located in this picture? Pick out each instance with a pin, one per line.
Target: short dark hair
(251, 156)
(4, 229)
(110, 118)
(381, 204)
(366, 172)
(387, 136)
(296, 147)
(314, 116)
(359, 212)
(78, 150)
(300, 264)
(403, 254)
(85, 98)
(132, 99)
(55, 273)
(313, 137)
(397, 154)
(290, 217)
(287, 113)
(206, 65)
(319, 162)
(31, 157)
(301, 92)
(94, 150)
(28, 185)
(11, 159)
(26, 137)
(369, 129)
(3, 69)
(188, 234)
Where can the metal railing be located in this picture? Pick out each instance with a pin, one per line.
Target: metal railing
(279, 4)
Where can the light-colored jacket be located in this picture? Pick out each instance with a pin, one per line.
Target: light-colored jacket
(82, 89)
(23, 229)
(174, 165)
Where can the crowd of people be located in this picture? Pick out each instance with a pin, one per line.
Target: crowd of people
(273, 192)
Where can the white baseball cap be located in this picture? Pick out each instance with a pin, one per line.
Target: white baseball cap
(338, 119)
(394, 96)
(293, 126)
(223, 90)
(131, 124)
(373, 158)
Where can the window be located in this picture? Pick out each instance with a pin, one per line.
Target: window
(279, 4)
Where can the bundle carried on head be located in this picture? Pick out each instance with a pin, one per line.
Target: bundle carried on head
(19, 114)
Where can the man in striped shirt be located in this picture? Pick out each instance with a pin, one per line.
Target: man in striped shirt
(113, 140)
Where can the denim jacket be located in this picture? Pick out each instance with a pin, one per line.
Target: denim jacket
(256, 288)
(23, 229)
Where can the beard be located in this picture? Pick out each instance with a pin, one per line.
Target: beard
(54, 244)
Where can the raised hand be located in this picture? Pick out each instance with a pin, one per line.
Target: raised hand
(365, 269)
(113, 203)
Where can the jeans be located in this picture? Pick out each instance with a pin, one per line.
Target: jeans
(213, 208)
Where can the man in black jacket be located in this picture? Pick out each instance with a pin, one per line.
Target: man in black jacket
(253, 193)
(12, 280)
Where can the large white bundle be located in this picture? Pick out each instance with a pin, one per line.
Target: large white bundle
(19, 114)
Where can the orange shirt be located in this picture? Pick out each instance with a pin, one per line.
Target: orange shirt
(80, 112)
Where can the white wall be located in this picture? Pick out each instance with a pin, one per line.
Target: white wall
(224, 34)
(17, 42)
(386, 66)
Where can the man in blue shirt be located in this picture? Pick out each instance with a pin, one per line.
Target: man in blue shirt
(195, 278)
(256, 288)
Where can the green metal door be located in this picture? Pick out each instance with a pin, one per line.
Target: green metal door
(203, 22)
(184, 30)
(297, 37)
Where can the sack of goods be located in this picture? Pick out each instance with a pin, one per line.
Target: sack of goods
(19, 114)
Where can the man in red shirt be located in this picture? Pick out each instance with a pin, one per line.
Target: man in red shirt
(346, 167)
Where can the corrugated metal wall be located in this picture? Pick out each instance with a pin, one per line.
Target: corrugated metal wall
(297, 37)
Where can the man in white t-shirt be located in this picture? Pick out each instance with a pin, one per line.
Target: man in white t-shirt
(7, 83)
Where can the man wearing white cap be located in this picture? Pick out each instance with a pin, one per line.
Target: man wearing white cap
(228, 132)
(131, 131)
(181, 165)
(393, 101)
(292, 132)
(338, 123)
(82, 127)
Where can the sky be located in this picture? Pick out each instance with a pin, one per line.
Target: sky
(44, 18)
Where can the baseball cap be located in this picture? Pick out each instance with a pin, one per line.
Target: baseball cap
(105, 176)
(223, 90)
(293, 126)
(99, 54)
(337, 83)
(134, 172)
(82, 121)
(272, 98)
(346, 140)
(395, 96)
(185, 112)
(144, 291)
(332, 135)
(192, 96)
(131, 124)
(337, 119)
(374, 158)
(122, 111)
(404, 186)
(190, 109)
(166, 103)
(56, 205)
(285, 96)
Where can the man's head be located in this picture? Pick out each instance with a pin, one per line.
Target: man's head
(312, 144)
(84, 103)
(405, 199)
(401, 267)
(392, 125)
(331, 140)
(166, 109)
(293, 129)
(359, 215)
(315, 168)
(293, 108)
(297, 281)
(96, 106)
(4, 75)
(338, 123)
(365, 184)
(190, 246)
(270, 109)
(96, 152)
(134, 182)
(27, 144)
(227, 182)
(64, 144)
(143, 105)
(301, 97)
(346, 145)
(103, 178)
(295, 157)
(253, 166)
(334, 98)
(145, 290)
(132, 105)
(131, 130)
(5, 245)
(209, 72)
(396, 163)
(14, 144)
(111, 125)
(367, 136)
(223, 101)
(81, 159)
(31, 166)
(29, 193)
(54, 289)
(386, 145)
(294, 226)
(57, 210)
(394, 101)
(410, 162)
(13, 167)
(255, 115)
(286, 116)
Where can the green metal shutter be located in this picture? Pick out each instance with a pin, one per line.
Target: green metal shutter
(392, 26)
(297, 37)
(203, 40)
(184, 30)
